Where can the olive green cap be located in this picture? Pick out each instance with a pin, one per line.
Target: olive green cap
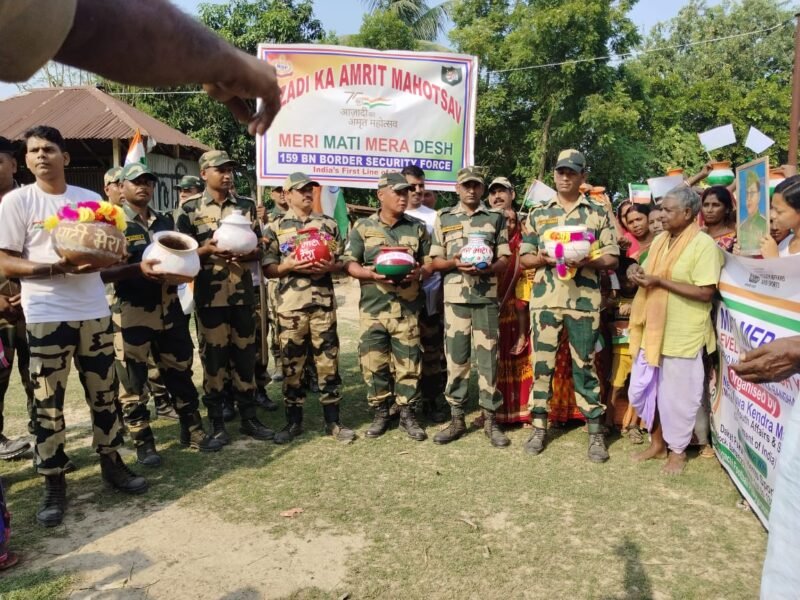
(571, 159)
(472, 174)
(501, 181)
(112, 175)
(133, 170)
(298, 180)
(189, 181)
(396, 181)
(215, 158)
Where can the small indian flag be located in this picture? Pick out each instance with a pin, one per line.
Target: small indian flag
(331, 202)
(639, 193)
(136, 151)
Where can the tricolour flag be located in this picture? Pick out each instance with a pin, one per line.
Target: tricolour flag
(136, 152)
(329, 200)
(639, 193)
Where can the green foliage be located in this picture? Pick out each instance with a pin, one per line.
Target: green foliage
(384, 30)
(427, 23)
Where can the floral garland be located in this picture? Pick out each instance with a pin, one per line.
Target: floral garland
(89, 211)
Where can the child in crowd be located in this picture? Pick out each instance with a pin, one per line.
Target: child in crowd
(654, 219)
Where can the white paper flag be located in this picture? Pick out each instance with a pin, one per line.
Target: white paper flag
(659, 186)
(538, 192)
(758, 141)
(717, 138)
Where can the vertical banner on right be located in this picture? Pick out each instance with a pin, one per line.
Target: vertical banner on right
(760, 303)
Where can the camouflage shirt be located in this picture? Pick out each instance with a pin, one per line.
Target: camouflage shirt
(296, 291)
(219, 283)
(582, 292)
(366, 239)
(276, 212)
(140, 301)
(450, 231)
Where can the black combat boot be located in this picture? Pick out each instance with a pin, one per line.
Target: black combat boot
(597, 451)
(264, 401)
(380, 422)
(455, 430)
(193, 436)
(218, 431)
(408, 423)
(117, 474)
(256, 429)
(492, 430)
(293, 427)
(54, 503)
(536, 441)
(333, 427)
(228, 410)
(146, 454)
(431, 411)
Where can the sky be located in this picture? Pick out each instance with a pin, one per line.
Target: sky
(344, 16)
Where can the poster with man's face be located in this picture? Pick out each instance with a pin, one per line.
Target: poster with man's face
(752, 212)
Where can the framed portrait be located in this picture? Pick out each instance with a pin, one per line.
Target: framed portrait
(752, 210)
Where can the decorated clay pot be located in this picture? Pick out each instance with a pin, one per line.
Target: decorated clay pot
(177, 256)
(575, 241)
(96, 244)
(674, 171)
(235, 234)
(775, 177)
(310, 245)
(477, 252)
(394, 262)
(721, 173)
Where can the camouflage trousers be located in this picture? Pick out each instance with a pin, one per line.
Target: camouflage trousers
(390, 357)
(272, 321)
(15, 345)
(434, 365)
(311, 329)
(261, 373)
(227, 337)
(171, 350)
(468, 329)
(52, 347)
(583, 330)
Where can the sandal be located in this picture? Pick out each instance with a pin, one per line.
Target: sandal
(635, 435)
(707, 451)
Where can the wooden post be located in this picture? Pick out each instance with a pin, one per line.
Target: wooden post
(115, 150)
(795, 118)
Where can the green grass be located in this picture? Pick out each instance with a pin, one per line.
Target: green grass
(463, 520)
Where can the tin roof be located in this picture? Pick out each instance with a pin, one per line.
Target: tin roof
(85, 113)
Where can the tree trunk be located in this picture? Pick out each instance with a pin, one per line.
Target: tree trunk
(545, 141)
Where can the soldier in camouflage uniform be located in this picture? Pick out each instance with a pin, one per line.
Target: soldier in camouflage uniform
(67, 316)
(389, 310)
(152, 324)
(572, 303)
(471, 317)
(224, 299)
(276, 212)
(306, 307)
(12, 322)
(112, 185)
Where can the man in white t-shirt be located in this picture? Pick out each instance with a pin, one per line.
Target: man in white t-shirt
(67, 317)
(431, 320)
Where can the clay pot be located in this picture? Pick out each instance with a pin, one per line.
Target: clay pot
(776, 175)
(394, 261)
(309, 245)
(721, 173)
(477, 252)
(235, 234)
(575, 240)
(177, 256)
(674, 171)
(96, 244)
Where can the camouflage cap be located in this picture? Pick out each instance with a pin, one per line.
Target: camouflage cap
(472, 174)
(501, 181)
(297, 180)
(571, 159)
(189, 181)
(215, 158)
(7, 146)
(396, 181)
(135, 170)
(112, 175)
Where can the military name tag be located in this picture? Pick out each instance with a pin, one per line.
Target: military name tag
(450, 228)
(205, 220)
(135, 238)
(373, 233)
(291, 231)
(546, 221)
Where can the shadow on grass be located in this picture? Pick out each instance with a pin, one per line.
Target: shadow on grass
(636, 583)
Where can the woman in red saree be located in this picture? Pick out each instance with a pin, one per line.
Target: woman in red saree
(515, 375)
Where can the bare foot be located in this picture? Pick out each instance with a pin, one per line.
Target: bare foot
(676, 463)
(653, 452)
